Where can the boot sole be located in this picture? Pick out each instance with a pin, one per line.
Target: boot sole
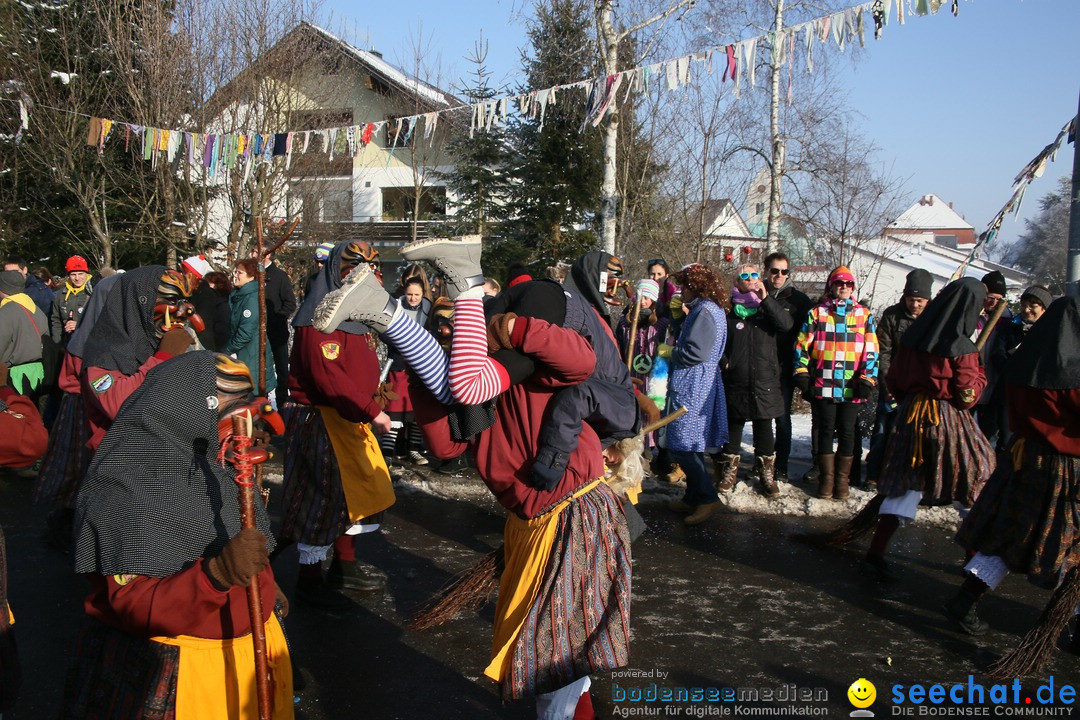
(409, 251)
(326, 318)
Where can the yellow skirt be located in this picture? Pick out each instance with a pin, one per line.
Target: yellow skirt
(216, 678)
(527, 548)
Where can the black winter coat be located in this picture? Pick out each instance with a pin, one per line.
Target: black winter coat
(796, 305)
(751, 364)
(280, 304)
(894, 321)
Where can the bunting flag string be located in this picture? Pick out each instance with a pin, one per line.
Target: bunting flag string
(1034, 169)
(218, 151)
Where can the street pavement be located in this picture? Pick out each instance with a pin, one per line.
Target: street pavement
(732, 608)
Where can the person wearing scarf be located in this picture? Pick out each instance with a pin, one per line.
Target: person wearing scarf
(70, 300)
(158, 537)
(751, 372)
(68, 455)
(695, 382)
(651, 333)
(935, 454)
(22, 326)
(336, 482)
(570, 534)
(836, 371)
(1027, 518)
(414, 297)
(141, 325)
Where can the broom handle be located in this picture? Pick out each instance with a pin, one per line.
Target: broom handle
(663, 421)
(633, 334)
(246, 490)
(988, 328)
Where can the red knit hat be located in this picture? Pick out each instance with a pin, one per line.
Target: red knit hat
(840, 274)
(76, 263)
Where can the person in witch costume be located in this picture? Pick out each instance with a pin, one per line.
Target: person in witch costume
(571, 536)
(158, 535)
(141, 326)
(1027, 518)
(935, 454)
(337, 484)
(68, 456)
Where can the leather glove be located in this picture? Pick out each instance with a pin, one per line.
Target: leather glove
(281, 603)
(548, 469)
(802, 384)
(647, 406)
(243, 558)
(175, 342)
(864, 388)
(498, 332)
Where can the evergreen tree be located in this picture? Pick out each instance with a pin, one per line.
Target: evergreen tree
(1041, 248)
(558, 169)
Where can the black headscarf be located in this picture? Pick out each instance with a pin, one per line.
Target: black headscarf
(542, 299)
(324, 282)
(155, 498)
(77, 344)
(584, 277)
(125, 335)
(1049, 356)
(946, 324)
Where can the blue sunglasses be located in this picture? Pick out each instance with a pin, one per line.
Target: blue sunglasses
(749, 276)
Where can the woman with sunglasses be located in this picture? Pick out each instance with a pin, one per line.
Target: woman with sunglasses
(836, 371)
(752, 378)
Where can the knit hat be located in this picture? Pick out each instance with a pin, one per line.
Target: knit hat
(197, 265)
(76, 263)
(840, 274)
(920, 284)
(12, 282)
(1039, 293)
(648, 289)
(995, 283)
(323, 251)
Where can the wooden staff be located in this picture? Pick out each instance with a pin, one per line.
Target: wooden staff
(663, 421)
(633, 334)
(246, 491)
(988, 328)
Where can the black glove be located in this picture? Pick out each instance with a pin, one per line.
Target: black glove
(802, 384)
(243, 558)
(864, 388)
(548, 469)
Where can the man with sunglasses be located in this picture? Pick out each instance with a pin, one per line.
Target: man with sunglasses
(796, 304)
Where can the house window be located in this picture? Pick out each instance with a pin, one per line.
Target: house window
(759, 208)
(316, 162)
(323, 200)
(403, 137)
(399, 203)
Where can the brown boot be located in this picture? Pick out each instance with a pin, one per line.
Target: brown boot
(827, 472)
(725, 472)
(766, 467)
(843, 477)
(701, 513)
(676, 475)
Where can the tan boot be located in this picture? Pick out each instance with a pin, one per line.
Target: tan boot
(702, 513)
(766, 466)
(676, 475)
(680, 506)
(843, 477)
(827, 470)
(725, 472)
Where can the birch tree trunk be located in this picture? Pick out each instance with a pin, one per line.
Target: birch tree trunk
(772, 238)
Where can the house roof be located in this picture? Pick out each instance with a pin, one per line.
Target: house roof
(723, 220)
(930, 213)
(376, 65)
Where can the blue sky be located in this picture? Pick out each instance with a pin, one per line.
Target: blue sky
(957, 105)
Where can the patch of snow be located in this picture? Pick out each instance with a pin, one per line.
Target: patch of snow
(63, 77)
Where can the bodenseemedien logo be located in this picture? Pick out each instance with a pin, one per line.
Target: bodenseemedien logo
(862, 694)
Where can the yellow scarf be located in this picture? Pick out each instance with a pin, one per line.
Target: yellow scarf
(22, 299)
(72, 290)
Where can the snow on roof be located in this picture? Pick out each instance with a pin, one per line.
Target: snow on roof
(930, 213)
(930, 257)
(385, 69)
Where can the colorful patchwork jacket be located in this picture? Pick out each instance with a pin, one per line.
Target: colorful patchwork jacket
(837, 345)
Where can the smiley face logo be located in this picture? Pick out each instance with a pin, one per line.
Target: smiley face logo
(862, 693)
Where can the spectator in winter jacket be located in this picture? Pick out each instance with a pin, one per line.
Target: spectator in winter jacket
(650, 335)
(280, 304)
(990, 410)
(659, 272)
(836, 370)
(1033, 304)
(244, 333)
(894, 321)
(796, 304)
(752, 378)
(207, 301)
(21, 328)
(70, 299)
(222, 323)
(39, 292)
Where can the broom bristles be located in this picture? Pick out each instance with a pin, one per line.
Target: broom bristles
(1041, 641)
(850, 531)
(464, 593)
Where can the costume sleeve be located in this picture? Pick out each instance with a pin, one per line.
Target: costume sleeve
(567, 357)
(347, 376)
(108, 389)
(248, 327)
(185, 603)
(968, 380)
(431, 416)
(868, 362)
(779, 318)
(23, 438)
(695, 342)
(803, 343)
